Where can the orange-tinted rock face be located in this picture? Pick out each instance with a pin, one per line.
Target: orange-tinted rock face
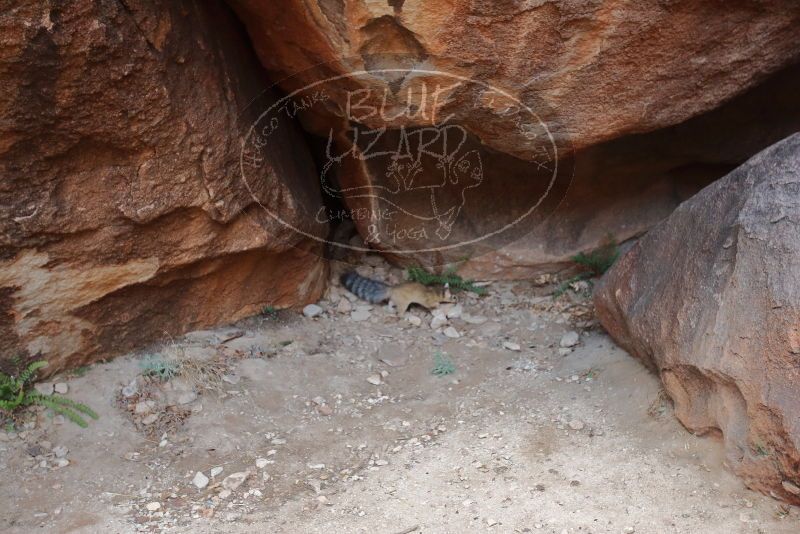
(710, 299)
(596, 74)
(124, 215)
(607, 68)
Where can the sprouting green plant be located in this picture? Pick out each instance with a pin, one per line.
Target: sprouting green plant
(594, 263)
(158, 367)
(80, 371)
(270, 312)
(448, 277)
(590, 373)
(16, 393)
(600, 260)
(760, 450)
(442, 365)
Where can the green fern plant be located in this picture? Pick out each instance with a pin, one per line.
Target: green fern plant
(15, 393)
(448, 277)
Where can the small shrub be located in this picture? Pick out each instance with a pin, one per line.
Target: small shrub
(16, 393)
(270, 312)
(598, 261)
(442, 365)
(160, 368)
(448, 278)
(594, 264)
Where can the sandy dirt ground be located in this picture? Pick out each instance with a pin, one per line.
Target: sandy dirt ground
(338, 424)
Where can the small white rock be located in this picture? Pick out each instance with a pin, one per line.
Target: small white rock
(375, 379)
(360, 315)
(312, 310)
(790, 487)
(261, 463)
(153, 506)
(131, 389)
(413, 320)
(60, 451)
(451, 332)
(576, 424)
(62, 388)
(234, 480)
(143, 407)
(455, 312)
(150, 419)
(474, 319)
(570, 339)
(200, 480)
(511, 346)
(216, 470)
(438, 321)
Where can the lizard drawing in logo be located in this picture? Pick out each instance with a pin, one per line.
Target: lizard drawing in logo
(426, 175)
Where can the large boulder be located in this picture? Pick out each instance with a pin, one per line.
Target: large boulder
(123, 214)
(710, 299)
(532, 84)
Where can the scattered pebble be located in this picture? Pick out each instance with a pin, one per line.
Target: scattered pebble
(312, 310)
(149, 419)
(231, 379)
(790, 487)
(570, 339)
(375, 379)
(455, 312)
(474, 319)
(234, 480)
(261, 463)
(360, 315)
(62, 388)
(438, 321)
(451, 332)
(511, 346)
(143, 407)
(131, 389)
(344, 306)
(576, 424)
(153, 506)
(200, 480)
